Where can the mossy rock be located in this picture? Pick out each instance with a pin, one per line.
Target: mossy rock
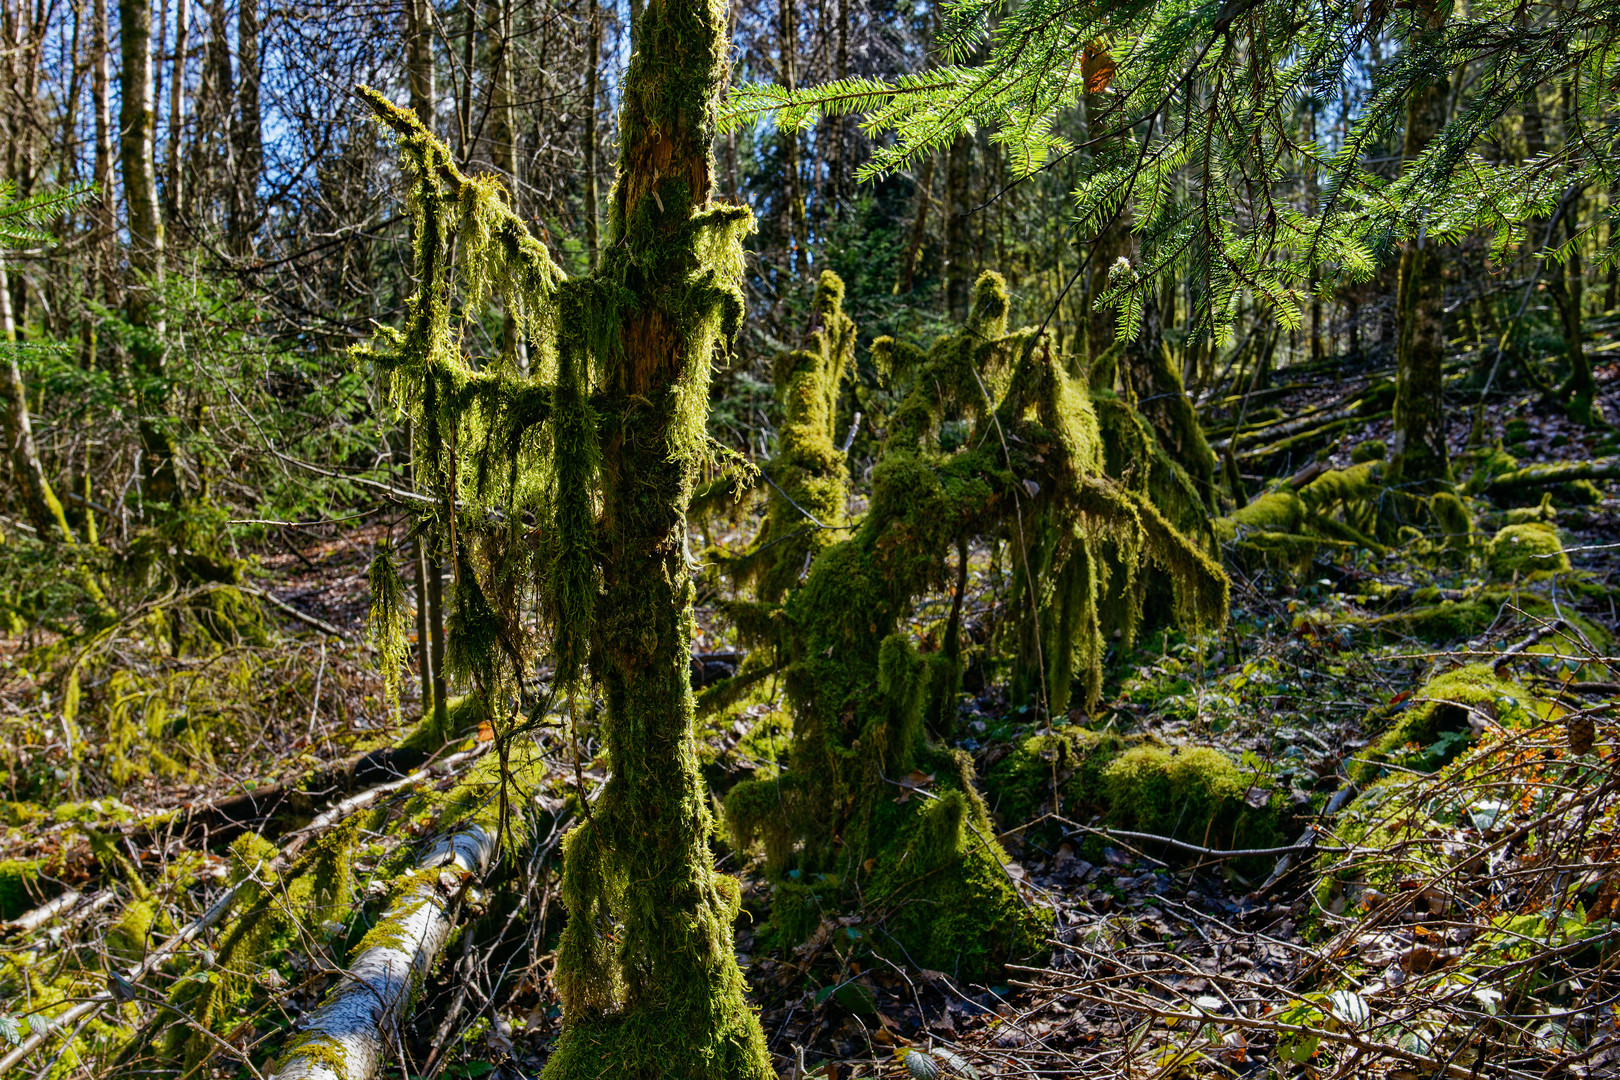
(21, 889)
(1437, 721)
(1527, 549)
(1193, 794)
(1196, 794)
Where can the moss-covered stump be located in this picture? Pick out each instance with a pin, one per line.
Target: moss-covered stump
(1438, 721)
(1193, 794)
(1526, 550)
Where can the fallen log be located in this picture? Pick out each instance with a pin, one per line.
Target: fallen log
(348, 1035)
(1559, 472)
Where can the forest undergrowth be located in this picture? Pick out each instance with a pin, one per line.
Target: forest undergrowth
(1367, 828)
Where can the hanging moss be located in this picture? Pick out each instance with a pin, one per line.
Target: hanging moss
(807, 477)
(850, 805)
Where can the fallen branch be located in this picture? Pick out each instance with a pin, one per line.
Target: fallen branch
(92, 1006)
(1559, 472)
(281, 605)
(348, 1035)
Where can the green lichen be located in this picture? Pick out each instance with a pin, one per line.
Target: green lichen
(1525, 550)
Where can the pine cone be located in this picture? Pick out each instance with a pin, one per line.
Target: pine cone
(1581, 730)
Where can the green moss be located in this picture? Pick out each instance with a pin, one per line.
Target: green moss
(20, 887)
(1527, 549)
(1020, 785)
(1434, 725)
(462, 717)
(1195, 794)
(129, 938)
(320, 1049)
(1370, 450)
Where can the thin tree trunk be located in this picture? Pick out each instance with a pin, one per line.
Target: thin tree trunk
(145, 250)
(435, 595)
(958, 200)
(40, 502)
(177, 109)
(419, 60)
(1419, 455)
(469, 45)
(593, 62)
(248, 141)
(919, 230)
(794, 226)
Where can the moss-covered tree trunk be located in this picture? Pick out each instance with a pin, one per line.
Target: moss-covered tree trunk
(1418, 456)
(646, 969)
(43, 507)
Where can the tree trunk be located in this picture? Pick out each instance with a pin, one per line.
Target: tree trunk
(145, 250)
(1113, 241)
(248, 141)
(1419, 457)
(919, 229)
(794, 227)
(958, 203)
(435, 594)
(419, 59)
(646, 969)
(174, 177)
(358, 1023)
(593, 61)
(40, 502)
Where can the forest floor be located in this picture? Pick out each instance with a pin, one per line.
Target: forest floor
(1164, 961)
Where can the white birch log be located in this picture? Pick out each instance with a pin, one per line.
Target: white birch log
(349, 1035)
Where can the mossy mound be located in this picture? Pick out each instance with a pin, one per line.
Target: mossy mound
(1194, 794)
(1020, 784)
(1191, 793)
(1526, 549)
(1268, 532)
(1435, 725)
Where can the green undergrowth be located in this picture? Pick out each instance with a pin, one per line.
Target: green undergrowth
(1195, 794)
(1439, 721)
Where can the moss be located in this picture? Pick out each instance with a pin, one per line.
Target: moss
(1369, 450)
(807, 476)
(1020, 785)
(129, 938)
(21, 888)
(320, 1049)
(462, 717)
(1525, 550)
(1191, 793)
(1439, 709)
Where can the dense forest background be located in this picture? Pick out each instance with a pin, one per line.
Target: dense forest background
(808, 539)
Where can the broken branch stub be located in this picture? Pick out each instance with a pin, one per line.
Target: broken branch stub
(350, 1032)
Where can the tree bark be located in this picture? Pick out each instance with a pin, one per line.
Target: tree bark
(141, 308)
(794, 226)
(958, 203)
(358, 1023)
(919, 229)
(248, 145)
(1419, 457)
(40, 502)
(174, 178)
(419, 70)
(593, 62)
